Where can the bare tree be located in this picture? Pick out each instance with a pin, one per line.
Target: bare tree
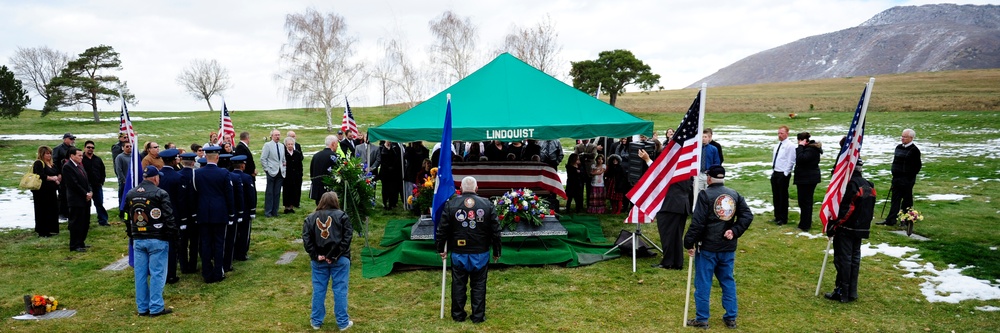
(316, 60)
(36, 66)
(385, 71)
(204, 79)
(407, 79)
(538, 46)
(455, 46)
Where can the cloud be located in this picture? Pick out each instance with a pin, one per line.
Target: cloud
(683, 41)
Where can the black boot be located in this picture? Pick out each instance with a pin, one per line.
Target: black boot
(834, 296)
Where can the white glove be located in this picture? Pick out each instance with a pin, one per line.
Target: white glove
(184, 227)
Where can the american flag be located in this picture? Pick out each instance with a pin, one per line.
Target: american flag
(132, 176)
(226, 127)
(134, 168)
(678, 162)
(846, 160)
(348, 125)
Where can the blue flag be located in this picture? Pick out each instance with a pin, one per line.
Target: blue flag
(445, 186)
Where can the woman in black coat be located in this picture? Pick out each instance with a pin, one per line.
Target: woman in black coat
(806, 176)
(46, 215)
(291, 187)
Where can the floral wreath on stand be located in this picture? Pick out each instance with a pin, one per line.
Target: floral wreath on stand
(908, 218)
(521, 206)
(355, 187)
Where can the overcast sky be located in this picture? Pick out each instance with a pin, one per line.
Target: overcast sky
(682, 40)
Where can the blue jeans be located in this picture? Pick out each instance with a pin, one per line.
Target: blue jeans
(272, 195)
(719, 264)
(322, 273)
(150, 263)
(102, 213)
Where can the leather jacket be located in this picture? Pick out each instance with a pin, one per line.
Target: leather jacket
(719, 209)
(327, 233)
(150, 214)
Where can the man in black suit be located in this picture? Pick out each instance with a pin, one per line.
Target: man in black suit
(214, 193)
(60, 154)
(78, 195)
(346, 144)
(321, 162)
(243, 148)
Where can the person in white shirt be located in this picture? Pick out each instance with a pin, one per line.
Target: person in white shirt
(783, 161)
(272, 159)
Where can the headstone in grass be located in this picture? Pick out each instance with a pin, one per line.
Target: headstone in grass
(121, 264)
(287, 257)
(914, 236)
(51, 315)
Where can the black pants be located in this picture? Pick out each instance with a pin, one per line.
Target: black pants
(805, 192)
(847, 260)
(459, 279)
(902, 198)
(79, 226)
(212, 237)
(187, 249)
(172, 245)
(242, 246)
(575, 194)
(779, 194)
(671, 228)
(227, 256)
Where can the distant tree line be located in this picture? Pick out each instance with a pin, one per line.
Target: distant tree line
(318, 66)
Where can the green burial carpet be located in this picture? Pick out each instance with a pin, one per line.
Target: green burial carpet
(584, 244)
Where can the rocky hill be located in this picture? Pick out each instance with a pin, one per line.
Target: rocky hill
(899, 40)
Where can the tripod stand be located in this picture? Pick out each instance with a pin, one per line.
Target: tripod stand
(633, 238)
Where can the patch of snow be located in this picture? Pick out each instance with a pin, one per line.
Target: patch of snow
(56, 137)
(19, 210)
(946, 197)
(993, 248)
(117, 119)
(988, 308)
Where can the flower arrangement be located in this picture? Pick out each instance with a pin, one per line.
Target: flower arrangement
(422, 194)
(40, 304)
(910, 216)
(355, 187)
(521, 206)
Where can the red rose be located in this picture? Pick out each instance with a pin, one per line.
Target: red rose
(541, 216)
(552, 212)
(501, 217)
(517, 219)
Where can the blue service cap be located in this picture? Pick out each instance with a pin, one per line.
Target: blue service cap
(151, 171)
(202, 161)
(169, 153)
(238, 158)
(188, 156)
(212, 149)
(225, 156)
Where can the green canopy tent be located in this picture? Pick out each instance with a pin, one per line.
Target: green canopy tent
(510, 100)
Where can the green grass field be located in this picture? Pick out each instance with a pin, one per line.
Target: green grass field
(776, 271)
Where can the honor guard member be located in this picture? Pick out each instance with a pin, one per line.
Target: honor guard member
(214, 192)
(237, 181)
(245, 222)
(187, 238)
(170, 181)
(720, 217)
(202, 161)
(469, 228)
(150, 225)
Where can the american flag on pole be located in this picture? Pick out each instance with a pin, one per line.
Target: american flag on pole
(132, 178)
(226, 127)
(678, 162)
(847, 160)
(348, 125)
(134, 165)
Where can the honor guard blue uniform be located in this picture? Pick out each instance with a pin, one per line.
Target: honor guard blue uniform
(237, 181)
(244, 224)
(170, 181)
(187, 240)
(214, 190)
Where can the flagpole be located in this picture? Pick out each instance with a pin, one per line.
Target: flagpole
(825, 257)
(701, 125)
